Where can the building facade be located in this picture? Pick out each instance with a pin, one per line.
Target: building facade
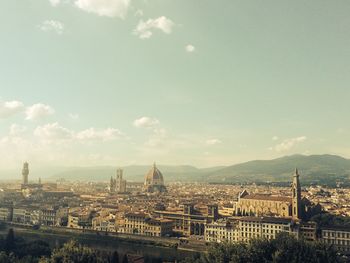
(244, 229)
(25, 173)
(339, 238)
(117, 183)
(279, 206)
(190, 221)
(143, 224)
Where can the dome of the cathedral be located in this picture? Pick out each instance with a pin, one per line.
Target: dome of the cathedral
(154, 176)
(154, 181)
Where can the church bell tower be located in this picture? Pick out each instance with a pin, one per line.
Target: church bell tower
(296, 196)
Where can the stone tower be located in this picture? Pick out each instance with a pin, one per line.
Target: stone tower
(112, 185)
(120, 183)
(25, 173)
(296, 196)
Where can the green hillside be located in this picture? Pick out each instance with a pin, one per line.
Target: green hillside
(313, 168)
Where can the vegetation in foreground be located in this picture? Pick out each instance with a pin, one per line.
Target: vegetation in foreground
(17, 250)
(284, 249)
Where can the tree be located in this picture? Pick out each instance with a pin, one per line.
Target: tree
(115, 257)
(284, 249)
(10, 240)
(72, 251)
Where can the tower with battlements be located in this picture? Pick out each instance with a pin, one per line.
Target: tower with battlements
(25, 173)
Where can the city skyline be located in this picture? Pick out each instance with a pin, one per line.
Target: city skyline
(132, 82)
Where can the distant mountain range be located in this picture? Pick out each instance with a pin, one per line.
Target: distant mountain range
(325, 169)
(184, 173)
(314, 168)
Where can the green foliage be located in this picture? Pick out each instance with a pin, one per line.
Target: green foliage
(331, 220)
(115, 257)
(16, 250)
(10, 240)
(283, 249)
(73, 252)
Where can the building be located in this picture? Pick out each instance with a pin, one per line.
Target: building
(104, 223)
(25, 173)
(6, 214)
(263, 204)
(279, 206)
(49, 217)
(190, 221)
(265, 227)
(221, 231)
(144, 224)
(154, 181)
(80, 218)
(243, 229)
(117, 183)
(21, 215)
(308, 231)
(338, 237)
(296, 197)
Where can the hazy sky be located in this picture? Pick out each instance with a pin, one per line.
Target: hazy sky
(202, 82)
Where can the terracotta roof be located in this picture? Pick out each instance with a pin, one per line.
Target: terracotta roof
(136, 215)
(267, 198)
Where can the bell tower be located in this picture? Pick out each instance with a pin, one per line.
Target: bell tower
(25, 173)
(296, 196)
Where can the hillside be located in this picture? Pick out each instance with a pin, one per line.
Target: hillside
(313, 168)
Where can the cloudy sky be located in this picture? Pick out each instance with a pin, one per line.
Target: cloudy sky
(201, 82)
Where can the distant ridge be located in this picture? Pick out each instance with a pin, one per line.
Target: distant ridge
(184, 173)
(314, 168)
(324, 169)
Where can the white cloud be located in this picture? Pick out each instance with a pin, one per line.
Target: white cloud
(73, 116)
(52, 26)
(104, 135)
(16, 129)
(139, 13)
(9, 108)
(146, 122)
(190, 48)
(109, 8)
(213, 141)
(288, 144)
(55, 2)
(38, 111)
(53, 132)
(144, 29)
(275, 138)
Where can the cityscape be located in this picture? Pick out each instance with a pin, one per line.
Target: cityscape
(174, 131)
(187, 216)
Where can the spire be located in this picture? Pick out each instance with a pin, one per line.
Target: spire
(296, 173)
(154, 165)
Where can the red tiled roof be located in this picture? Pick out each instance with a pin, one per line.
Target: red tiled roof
(267, 198)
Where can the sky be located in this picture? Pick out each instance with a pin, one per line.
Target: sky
(198, 82)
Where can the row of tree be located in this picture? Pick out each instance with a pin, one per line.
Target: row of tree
(283, 249)
(17, 250)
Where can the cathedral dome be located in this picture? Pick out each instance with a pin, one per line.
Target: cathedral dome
(154, 181)
(154, 176)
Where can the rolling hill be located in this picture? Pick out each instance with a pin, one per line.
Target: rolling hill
(313, 168)
(136, 173)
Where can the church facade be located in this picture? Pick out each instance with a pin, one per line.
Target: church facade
(295, 206)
